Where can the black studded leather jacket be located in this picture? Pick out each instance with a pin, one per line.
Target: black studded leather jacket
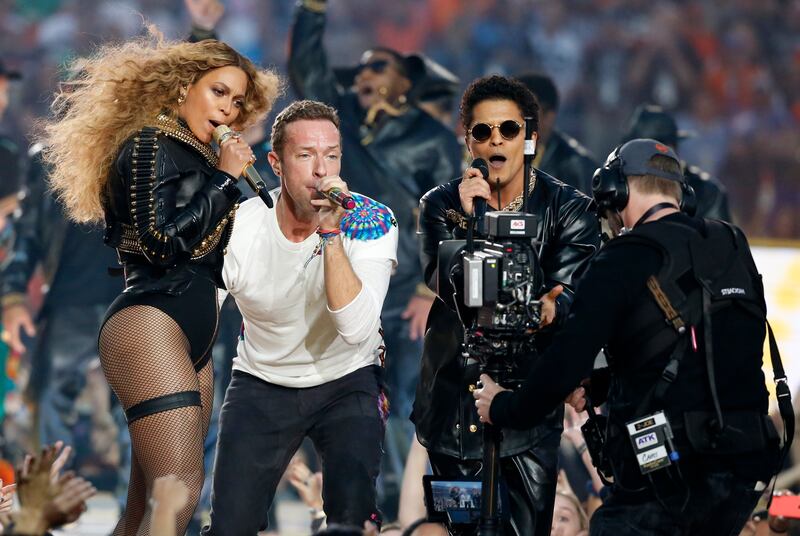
(169, 211)
(444, 409)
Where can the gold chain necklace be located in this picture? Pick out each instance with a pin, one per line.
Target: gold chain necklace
(516, 204)
(174, 129)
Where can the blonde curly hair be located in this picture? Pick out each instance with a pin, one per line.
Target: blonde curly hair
(121, 89)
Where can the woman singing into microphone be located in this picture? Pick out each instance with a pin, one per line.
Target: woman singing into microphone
(130, 146)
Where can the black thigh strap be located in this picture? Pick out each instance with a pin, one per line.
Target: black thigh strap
(162, 403)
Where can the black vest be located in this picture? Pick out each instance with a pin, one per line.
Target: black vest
(717, 258)
(706, 272)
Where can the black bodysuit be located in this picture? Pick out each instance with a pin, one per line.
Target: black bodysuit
(169, 214)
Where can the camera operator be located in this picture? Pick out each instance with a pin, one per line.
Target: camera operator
(688, 439)
(567, 235)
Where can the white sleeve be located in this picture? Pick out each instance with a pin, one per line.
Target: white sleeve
(372, 262)
(230, 270)
(221, 295)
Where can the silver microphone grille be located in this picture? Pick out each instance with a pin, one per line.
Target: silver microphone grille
(221, 133)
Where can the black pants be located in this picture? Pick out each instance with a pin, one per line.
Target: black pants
(262, 426)
(531, 481)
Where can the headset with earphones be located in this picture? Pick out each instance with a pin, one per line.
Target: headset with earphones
(610, 184)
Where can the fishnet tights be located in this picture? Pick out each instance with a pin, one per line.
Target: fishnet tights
(145, 355)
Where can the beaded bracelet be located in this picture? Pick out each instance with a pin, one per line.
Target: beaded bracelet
(325, 236)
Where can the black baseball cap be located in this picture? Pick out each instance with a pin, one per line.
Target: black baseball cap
(652, 121)
(634, 157)
(9, 73)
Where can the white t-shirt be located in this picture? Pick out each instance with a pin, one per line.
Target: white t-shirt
(291, 337)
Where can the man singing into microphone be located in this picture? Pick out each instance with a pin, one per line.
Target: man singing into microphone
(492, 113)
(309, 278)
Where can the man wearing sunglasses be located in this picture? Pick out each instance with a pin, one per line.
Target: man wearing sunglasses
(393, 152)
(492, 113)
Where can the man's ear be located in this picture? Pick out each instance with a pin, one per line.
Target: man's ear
(534, 139)
(274, 162)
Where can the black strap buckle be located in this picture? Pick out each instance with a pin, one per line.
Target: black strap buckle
(670, 371)
(782, 387)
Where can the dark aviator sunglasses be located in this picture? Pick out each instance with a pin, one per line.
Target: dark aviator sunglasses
(377, 66)
(509, 129)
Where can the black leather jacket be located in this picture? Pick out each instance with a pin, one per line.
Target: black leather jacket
(712, 199)
(444, 410)
(395, 161)
(169, 211)
(564, 157)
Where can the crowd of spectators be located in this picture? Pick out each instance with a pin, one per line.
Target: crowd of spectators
(728, 69)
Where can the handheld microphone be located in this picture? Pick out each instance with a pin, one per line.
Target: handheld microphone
(221, 134)
(342, 199)
(479, 203)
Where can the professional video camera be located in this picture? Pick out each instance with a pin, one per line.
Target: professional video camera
(494, 284)
(502, 280)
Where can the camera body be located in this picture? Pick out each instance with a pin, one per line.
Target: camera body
(502, 279)
(493, 284)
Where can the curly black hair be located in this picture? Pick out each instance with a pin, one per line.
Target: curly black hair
(498, 88)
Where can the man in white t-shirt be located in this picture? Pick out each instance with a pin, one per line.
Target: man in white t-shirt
(309, 279)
